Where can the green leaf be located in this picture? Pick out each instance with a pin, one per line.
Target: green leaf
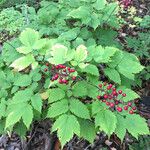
(27, 116)
(120, 127)
(92, 91)
(82, 13)
(103, 55)
(28, 37)
(96, 107)
(59, 54)
(136, 125)
(56, 94)
(66, 124)
(20, 129)
(129, 65)
(2, 108)
(88, 131)
(106, 120)
(79, 109)
(14, 89)
(58, 108)
(22, 62)
(113, 75)
(91, 69)
(14, 116)
(80, 89)
(23, 80)
(24, 50)
(100, 4)
(130, 95)
(80, 54)
(36, 102)
(22, 96)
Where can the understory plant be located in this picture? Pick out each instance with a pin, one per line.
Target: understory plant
(42, 78)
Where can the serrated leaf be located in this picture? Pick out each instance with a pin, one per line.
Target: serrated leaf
(113, 75)
(36, 102)
(91, 69)
(59, 54)
(14, 89)
(22, 96)
(88, 131)
(24, 50)
(58, 108)
(56, 94)
(2, 108)
(96, 107)
(15, 115)
(120, 127)
(80, 54)
(100, 4)
(28, 37)
(80, 89)
(22, 62)
(129, 65)
(81, 13)
(103, 55)
(92, 91)
(106, 120)
(130, 94)
(136, 125)
(81, 111)
(66, 124)
(23, 80)
(27, 116)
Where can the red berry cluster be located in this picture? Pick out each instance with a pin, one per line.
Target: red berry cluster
(113, 98)
(61, 73)
(126, 3)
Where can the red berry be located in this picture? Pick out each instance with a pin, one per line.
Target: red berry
(60, 81)
(125, 107)
(105, 96)
(131, 112)
(120, 91)
(134, 108)
(104, 83)
(112, 104)
(47, 64)
(124, 95)
(100, 85)
(119, 109)
(72, 70)
(68, 69)
(64, 70)
(110, 97)
(45, 69)
(98, 97)
(57, 67)
(56, 76)
(114, 89)
(74, 78)
(129, 104)
(116, 102)
(104, 100)
(114, 93)
(63, 66)
(108, 87)
(107, 103)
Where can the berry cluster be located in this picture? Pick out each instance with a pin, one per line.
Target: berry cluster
(126, 3)
(113, 98)
(61, 73)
